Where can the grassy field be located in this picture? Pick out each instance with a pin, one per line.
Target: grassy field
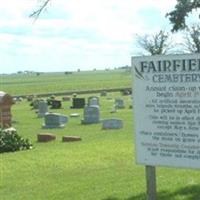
(100, 167)
(24, 84)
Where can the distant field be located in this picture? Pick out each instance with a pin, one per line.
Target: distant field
(24, 84)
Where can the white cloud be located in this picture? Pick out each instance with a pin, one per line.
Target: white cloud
(72, 29)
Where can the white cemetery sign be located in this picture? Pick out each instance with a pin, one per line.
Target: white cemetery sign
(166, 99)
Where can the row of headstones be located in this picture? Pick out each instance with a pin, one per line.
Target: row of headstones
(67, 98)
(80, 102)
(91, 116)
(46, 137)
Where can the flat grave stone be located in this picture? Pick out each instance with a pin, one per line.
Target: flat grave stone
(71, 138)
(74, 115)
(45, 137)
(112, 124)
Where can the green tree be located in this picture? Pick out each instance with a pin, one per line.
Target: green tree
(155, 44)
(178, 16)
(192, 39)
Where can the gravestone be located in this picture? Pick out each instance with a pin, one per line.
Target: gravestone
(93, 101)
(55, 120)
(17, 99)
(78, 103)
(45, 137)
(74, 115)
(103, 93)
(6, 101)
(66, 98)
(30, 98)
(91, 115)
(35, 103)
(50, 99)
(56, 104)
(71, 138)
(42, 108)
(126, 92)
(119, 103)
(74, 95)
(112, 124)
(114, 110)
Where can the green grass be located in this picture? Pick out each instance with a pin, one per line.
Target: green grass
(24, 84)
(100, 167)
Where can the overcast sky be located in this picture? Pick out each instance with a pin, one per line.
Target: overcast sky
(74, 34)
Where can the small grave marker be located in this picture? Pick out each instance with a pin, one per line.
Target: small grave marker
(45, 137)
(112, 124)
(103, 93)
(71, 138)
(74, 115)
(56, 104)
(119, 103)
(66, 98)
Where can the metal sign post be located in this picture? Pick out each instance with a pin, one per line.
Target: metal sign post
(151, 182)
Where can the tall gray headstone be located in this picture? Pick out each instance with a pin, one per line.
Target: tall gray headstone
(55, 120)
(42, 108)
(91, 115)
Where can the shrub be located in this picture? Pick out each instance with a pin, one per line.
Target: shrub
(11, 141)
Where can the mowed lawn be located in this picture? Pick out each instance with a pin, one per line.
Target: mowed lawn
(25, 84)
(100, 167)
